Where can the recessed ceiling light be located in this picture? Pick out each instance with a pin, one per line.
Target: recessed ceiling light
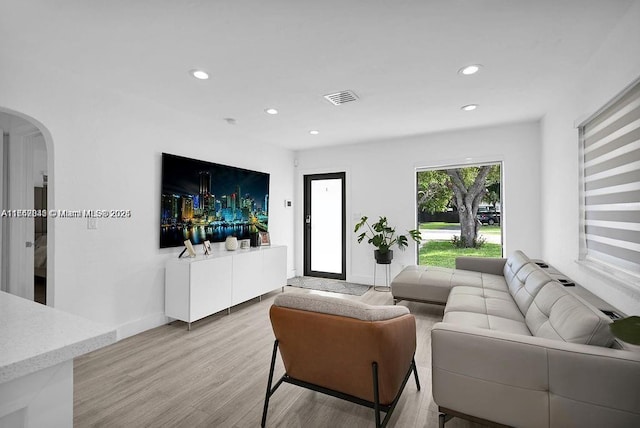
(271, 111)
(469, 107)
(199, 74)
(314, 132)
(470, 69)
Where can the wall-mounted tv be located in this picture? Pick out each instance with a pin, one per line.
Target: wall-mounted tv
(208, 201)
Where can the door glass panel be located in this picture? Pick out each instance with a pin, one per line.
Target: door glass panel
(326, 225)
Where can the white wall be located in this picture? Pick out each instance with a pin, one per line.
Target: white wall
(613, 66)
(381, 181)
(106, 154)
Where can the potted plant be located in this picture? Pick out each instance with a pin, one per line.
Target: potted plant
(383, 237)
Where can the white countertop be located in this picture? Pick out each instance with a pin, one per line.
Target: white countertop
(35, 336)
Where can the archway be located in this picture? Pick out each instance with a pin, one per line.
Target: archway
(27, 233)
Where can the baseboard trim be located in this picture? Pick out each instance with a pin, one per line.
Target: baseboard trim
(132, 328)
(364, 280)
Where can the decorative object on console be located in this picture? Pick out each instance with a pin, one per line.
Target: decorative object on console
(231, 243)
(245, 243)
(383, 237)
(207, 247)
(254, 236)
(265, 239)
(188, 248)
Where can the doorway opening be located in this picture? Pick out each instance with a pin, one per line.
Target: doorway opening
(325, 226)
(25, 253)
(459, 212)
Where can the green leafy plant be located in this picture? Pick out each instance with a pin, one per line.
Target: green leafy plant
(460, 242)
(382, 236)
(627, 329)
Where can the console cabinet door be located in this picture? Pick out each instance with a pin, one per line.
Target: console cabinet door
(177, 291)
(211, 283)
(274, 269)
(247, 276)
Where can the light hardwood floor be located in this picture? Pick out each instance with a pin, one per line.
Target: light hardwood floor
(216, 374)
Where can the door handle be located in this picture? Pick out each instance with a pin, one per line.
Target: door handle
(28, 244)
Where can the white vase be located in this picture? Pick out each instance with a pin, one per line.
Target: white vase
(231, 243)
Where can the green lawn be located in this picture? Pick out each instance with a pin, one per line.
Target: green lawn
(434, 225)
(443, 253)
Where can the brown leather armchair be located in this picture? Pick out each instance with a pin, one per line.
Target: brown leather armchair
(347, 349)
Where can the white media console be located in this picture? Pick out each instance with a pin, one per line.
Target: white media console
(201, 286)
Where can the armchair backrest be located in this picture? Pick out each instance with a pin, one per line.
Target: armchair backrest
(333, 342)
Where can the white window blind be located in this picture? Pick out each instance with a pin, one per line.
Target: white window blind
(611, 177)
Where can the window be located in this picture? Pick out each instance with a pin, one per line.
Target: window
(446, 198)
(610, 164)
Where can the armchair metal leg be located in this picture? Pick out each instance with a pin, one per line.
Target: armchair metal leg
(269, 392)
(376, 397)
(415, 373)
(377, 407)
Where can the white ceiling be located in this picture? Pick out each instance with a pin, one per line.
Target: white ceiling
(400, 57)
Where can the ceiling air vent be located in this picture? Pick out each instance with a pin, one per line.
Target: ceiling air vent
(341, 97)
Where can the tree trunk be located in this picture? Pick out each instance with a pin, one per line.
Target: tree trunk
(468, 200)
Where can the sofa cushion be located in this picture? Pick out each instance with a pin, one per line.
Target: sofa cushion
(514, 263)
(555, 313)
(483, 301)
(490, 322)
(526, 284)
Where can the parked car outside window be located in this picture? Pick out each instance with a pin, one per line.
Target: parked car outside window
(488, 217)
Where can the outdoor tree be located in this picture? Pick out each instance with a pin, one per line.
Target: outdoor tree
(464, 188)
(468, 192)
(434, 191)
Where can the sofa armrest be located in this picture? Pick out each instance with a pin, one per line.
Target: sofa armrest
(530, 381)
(490, 265)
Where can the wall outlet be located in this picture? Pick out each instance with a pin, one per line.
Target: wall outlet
(92, 223)
(287, 203)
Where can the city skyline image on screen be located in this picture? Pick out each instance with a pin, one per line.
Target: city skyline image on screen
(209, 201)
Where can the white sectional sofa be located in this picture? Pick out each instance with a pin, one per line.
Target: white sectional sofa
(517, 348)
